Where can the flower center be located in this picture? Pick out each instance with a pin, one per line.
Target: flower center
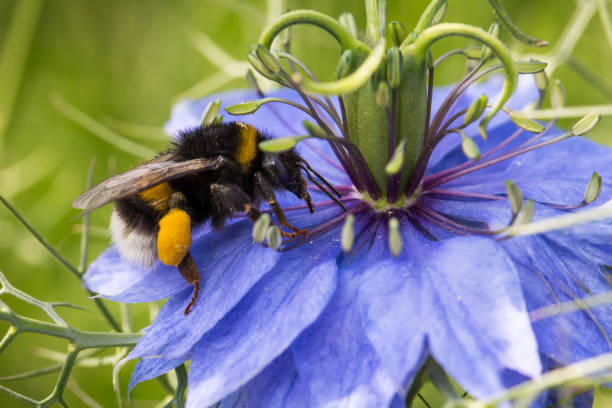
(382, 205)
(381, 126)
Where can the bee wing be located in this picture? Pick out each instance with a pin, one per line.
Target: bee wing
(140, 178)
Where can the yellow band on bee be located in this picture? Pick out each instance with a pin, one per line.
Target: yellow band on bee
(158, 196)
(247, 148)
(174, 237)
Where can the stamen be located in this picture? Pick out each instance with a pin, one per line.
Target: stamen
(456, 193)
(496, 160)
(274, 237)
(591, 194)
(515, 196)
(452, 225)
(260, 228)
(347, 237)
(395, 237)
(419, 227)
(323, 228)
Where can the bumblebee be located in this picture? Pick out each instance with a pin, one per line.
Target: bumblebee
(207, 175)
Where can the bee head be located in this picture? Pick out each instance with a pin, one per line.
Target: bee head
(285, 171)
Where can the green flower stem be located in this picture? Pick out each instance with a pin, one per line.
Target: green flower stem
(331, 25)
(103, 309)
(351, 82)
(372, 31)
(439, 31)
(296, 62)
(81, 339)
(505, 19)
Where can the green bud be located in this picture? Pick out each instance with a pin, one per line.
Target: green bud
(382, 16)
(526, 214)
(469, 147)
(525, 123)
(530, 67)
(475, 110)
(585, 124)
(344, 64)
(260, 228)
(268, 59)
(494, 29)
(347, 237)
(398, 32)
(482, 129)
(245, 108)
(210, 112)
(514, 196)
(348, 21)
(258, 65)
(315, 130)
(397, 160)
(593, 189)
(395, 237)
(440, 14)
(394, 67)
(274, 237)
(541, 80)
(280, 144)
(216, 120)
(383, 95)
(557, 94)
(486, 52)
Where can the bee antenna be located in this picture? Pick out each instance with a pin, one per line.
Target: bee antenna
(327, 193)
(327, 183)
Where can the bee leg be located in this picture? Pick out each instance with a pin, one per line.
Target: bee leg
(268, 192)
(228, 200)
(190, 272)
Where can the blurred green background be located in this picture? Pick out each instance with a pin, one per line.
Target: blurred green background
(125, 62)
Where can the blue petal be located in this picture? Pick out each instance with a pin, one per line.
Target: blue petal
(551, 274)
(226, 277)
(278, 386)
(152, 367)
(559, 266)
(461, 297)
(288, 299)
(336, 343)
(110, 274)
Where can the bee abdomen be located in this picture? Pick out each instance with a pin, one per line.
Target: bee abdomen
(134, 244)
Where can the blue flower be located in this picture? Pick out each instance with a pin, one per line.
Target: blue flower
(315, 326)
